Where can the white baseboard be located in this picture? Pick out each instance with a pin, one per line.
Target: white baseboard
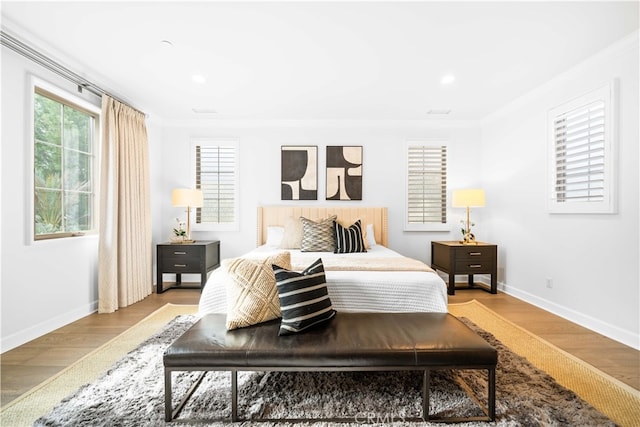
(21, 337)
(608, 330)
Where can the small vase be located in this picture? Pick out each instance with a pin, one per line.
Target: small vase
(177, 239)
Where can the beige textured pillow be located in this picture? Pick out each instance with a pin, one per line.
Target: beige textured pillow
(252, 295)
(292, 237)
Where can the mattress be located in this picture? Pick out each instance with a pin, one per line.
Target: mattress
(350, 291)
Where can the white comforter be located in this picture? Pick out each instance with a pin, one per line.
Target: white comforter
(351, 291)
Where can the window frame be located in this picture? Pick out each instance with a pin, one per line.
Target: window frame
(426, 226)
(214, 226)
(607, 205)
(54, 92)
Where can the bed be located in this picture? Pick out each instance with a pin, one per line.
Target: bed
(378, 280)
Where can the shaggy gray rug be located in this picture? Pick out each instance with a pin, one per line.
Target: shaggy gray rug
(131, 393)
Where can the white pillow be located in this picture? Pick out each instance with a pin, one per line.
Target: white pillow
(370, 236)
(274, 236)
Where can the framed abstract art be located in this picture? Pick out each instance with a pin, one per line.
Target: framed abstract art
(344, 172)
(299, 172)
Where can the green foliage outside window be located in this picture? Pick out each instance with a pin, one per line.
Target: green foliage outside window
(63, 167)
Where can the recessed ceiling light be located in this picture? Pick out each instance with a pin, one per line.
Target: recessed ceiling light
(166, 43)
(198, 78)
(447, 79)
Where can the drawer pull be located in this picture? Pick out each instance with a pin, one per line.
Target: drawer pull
(475, 265)
(475, 253)
(179, 265)
(179, 253)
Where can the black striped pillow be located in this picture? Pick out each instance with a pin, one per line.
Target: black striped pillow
(350, 239)
(304, 300)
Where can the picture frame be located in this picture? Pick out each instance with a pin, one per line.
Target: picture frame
(299, 172)
(344, 172)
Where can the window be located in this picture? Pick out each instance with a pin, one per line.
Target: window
(216, 175)
(64, 130)
(581, 145)
(426, 203)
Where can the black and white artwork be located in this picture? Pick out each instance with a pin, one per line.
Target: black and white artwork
(299, 176)
(344, 173)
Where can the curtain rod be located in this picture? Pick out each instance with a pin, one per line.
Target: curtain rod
(51, 65)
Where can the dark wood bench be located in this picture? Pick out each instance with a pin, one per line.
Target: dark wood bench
(349, 342)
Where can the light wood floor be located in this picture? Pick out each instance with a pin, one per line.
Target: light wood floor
(26, 366)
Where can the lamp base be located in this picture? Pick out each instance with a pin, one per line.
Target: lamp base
(469, 239)
(180, 240)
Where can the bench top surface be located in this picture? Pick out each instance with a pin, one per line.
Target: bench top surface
(349, 340)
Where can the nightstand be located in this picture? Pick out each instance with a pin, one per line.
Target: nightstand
(457, 258)
(200, 258)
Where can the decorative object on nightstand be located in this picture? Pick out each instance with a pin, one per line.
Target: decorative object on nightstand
(200, 258)
(179, 232)
(468, 198)
(459, 258)
(189, 198)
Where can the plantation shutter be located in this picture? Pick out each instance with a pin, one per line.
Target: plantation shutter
(216, 177)
(580, 154)
(427, 184)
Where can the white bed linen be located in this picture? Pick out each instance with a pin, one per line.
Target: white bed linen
(350, 291)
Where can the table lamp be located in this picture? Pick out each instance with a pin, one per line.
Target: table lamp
(468, 198)
(189, 198)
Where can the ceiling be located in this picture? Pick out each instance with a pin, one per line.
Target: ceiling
(320, 60)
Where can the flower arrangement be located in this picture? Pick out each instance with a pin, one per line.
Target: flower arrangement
(467, 235)
(179, 232)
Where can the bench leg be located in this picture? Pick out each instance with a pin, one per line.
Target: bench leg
(425, 394)
(492, 395)
(169, 412)
(489, 409)
(168, 416)
(234, 395)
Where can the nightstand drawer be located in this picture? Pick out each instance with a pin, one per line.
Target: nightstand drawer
(181, 265)
(479, 254)
(472, 266)
(181, 251)
(188, 255)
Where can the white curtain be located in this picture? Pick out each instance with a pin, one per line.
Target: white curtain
(125, 251)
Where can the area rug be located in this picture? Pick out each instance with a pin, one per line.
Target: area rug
(131, 393)
(617, 400)
(39, 401)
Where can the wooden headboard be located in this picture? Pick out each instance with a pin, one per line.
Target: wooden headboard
(276, 215)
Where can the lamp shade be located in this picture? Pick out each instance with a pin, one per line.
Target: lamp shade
(468, 198)
(186, 197)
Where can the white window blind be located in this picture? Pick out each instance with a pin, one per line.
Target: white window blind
(581, 141)
(216, 176)
(579, 145)
(426, 206)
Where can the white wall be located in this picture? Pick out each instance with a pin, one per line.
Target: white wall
(259, 169)
(591, 259)
(45, 284)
